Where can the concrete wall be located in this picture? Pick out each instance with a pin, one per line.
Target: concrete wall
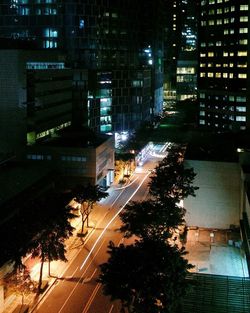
(217, 202)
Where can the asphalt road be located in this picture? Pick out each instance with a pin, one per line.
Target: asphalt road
(77, 289)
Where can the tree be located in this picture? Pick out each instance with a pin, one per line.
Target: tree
(171, 178)
(20, 282)
(147, 277)
(152, 218)
(49, 243)
(87, 196)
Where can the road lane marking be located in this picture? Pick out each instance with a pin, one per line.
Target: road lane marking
(88, 304)
(112, 219)
(65, 302)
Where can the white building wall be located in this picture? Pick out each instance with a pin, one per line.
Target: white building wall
(217, 201)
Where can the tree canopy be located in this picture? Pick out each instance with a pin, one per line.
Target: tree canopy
(148, 276)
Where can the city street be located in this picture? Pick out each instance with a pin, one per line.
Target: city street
(76, 289)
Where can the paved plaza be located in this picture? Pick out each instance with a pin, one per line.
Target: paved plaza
(217, 252)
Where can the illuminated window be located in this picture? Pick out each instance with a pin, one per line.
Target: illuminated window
(210, 74)
(202, 64)
(210, 65)
(218, 75)
(242, 53)
(242, 76)
(226, 20)
(202, 74)
(231, 75)
(218, 65)
(243, 30)
(202, 96)
(211, 22)
(225, 75)
(211, 12)
(231, 98)
(225, 65)
(226, 9)
(241, 118)
(231, 65)
(219, 22)
(244, 19)
(210, 54)
(185, 70)
(241, 99)
(232, 8)
(242, 64)
(243, 42)
(243, 7)
(218, 43)
(202, 55)
(219, 11)
(203, 44)
(241, 109)
(202, 122)
(225, 54)
(202, 113)
(226, 31)
(231, 54)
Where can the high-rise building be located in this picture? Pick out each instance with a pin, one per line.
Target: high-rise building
(186, 75)
(223, 65)
(119, 42)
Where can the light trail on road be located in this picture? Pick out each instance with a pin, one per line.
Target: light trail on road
(112, 219)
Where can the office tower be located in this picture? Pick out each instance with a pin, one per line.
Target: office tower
(119, 43)
(186, 75)
(172, 45)
(223, 65)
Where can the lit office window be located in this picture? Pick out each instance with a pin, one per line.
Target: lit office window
(225, 75)
(225, 54)
(241, 99)
(219, 11)
(243, 7)
(218, 75)
(210, 54)
(242, 53)
(202, 113)
(243, 41)
(218, 43)
(226, 32)
(242, 65)
(210, 74)
(226, 21)
(241, 109)
(243, 30)
(202, 122)
(202, 55)
(219, 22)
(244, 19)
(240, 118)
(202, 74)
(242, 76)
(211, 22)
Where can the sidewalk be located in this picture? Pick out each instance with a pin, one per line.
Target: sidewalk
(58, 268)
(73, 244)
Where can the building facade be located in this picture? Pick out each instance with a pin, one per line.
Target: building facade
(113, 40)
(223, 65)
